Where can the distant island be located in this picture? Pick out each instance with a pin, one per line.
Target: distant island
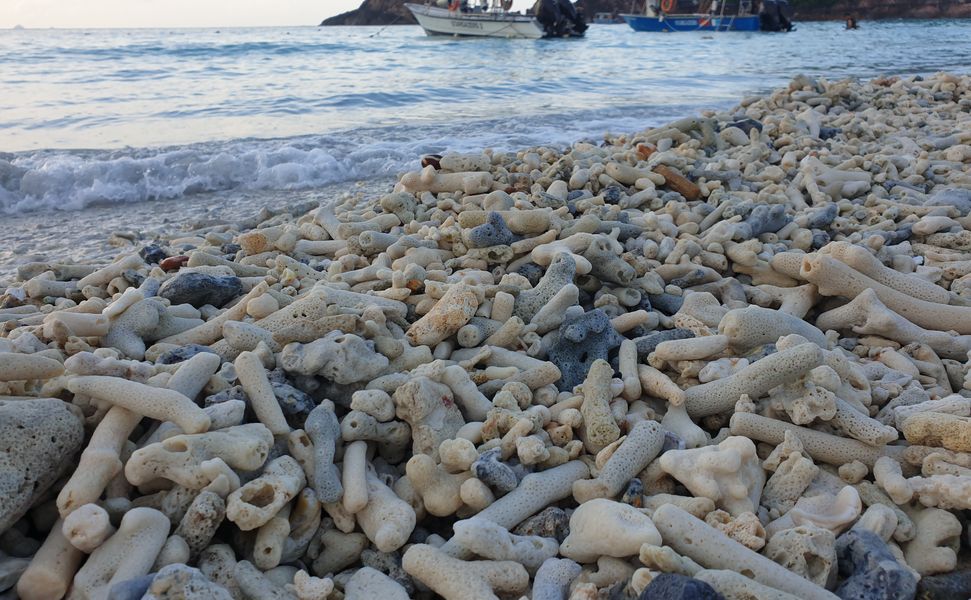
(393, 12)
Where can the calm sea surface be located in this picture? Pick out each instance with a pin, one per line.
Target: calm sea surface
(112, 116)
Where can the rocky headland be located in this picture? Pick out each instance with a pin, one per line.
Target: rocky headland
(386, 12)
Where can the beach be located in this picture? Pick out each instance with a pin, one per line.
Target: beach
(99, 233)
(733, 343)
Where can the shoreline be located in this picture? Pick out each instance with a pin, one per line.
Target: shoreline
(91, 234)
(735, 344)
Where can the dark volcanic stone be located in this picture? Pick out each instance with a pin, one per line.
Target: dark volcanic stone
(494, 473)
(666, 303)
(184, 353)
(532, 272)
(872, 572)
(153, 254)
(820, 218)
(278, 376)
(945, 587)
(644, 304)
(648, 343)
(230, 248)
(829, 132)
(765, 219)
(579, 342)
(690, 279)
(234, 393)
(133, 277)
(199, 289)
(820, 239)
(747, 125)
(670, 586)
(612, 194)
(296, 405)
(551, 522)
(491, 233)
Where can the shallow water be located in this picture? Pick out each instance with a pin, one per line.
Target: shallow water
(114, 116)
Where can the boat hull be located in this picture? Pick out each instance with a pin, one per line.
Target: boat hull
(671, 23)
(440, 21)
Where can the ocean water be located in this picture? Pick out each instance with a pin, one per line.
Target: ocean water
(95, 117)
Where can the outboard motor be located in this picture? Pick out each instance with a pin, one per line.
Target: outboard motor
(785, 15)
(559, 18)
(775, 16)
(576, 23)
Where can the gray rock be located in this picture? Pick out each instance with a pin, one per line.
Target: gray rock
(763, 219)
(872, 572)
(131, 589)
(199, 289)
(38, 440)
(181, 582)
(551, 522)
(671, 586)
(666, 303)
(491, 233)
(956, 197)
(532, 272)
(153, 254)
(581, 340)
(746, 125)
(956, 584)
(822, 217)
(10, 571)
(494, 473)
(234, 393)
(296, 405)
(182, 353)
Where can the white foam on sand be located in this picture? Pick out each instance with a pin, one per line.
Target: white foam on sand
(101, 233)
(59, 180)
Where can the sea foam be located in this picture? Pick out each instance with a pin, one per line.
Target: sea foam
(73, 180)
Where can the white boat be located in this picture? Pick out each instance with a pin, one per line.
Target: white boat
(491, 22)
(492, 18)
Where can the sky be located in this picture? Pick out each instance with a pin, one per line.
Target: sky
(173, 13)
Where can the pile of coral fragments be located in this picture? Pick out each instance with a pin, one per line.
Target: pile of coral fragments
(722, 358)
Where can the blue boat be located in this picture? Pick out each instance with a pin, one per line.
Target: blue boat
(666, 23)
(661, 16)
